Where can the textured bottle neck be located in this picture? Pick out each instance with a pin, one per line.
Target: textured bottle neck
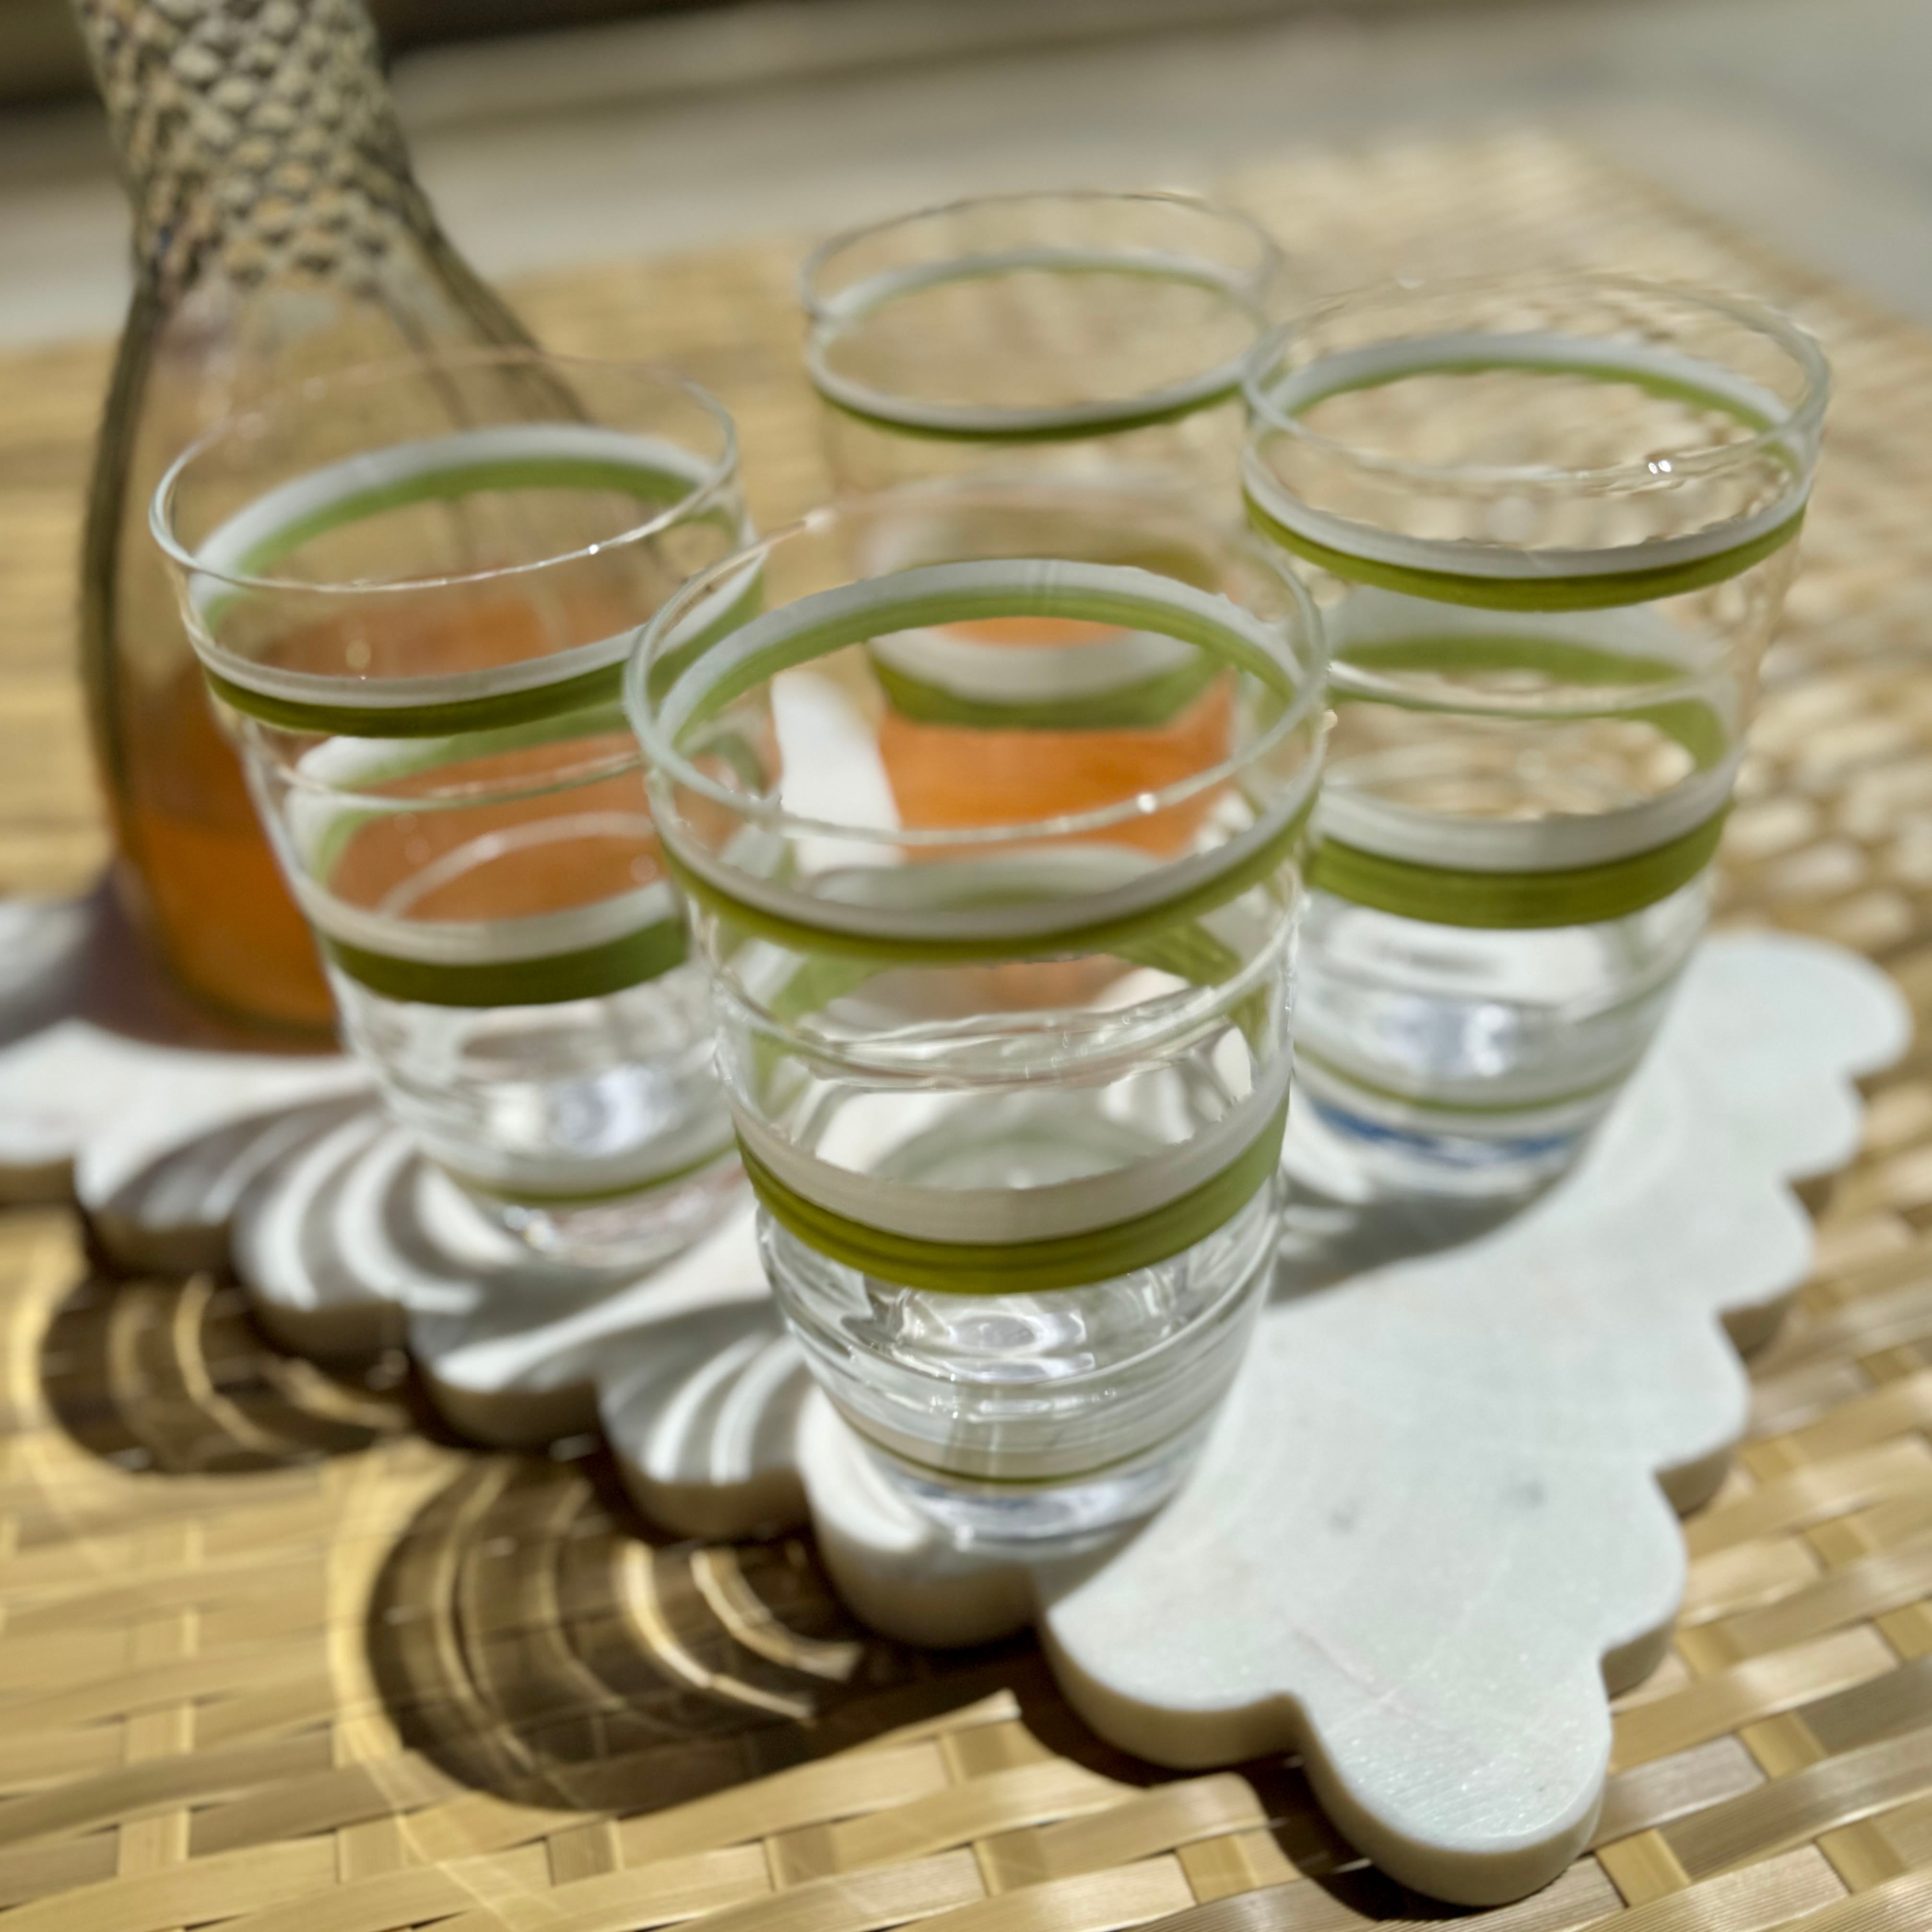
(256, 136)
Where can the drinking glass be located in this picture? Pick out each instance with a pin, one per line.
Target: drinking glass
(1008, 1065)
(411, 588)
(1086, 332)
(1550, 521)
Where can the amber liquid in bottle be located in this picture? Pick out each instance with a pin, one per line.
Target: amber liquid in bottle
(278, 234)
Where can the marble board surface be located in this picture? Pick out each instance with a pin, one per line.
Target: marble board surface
(1434, 1524)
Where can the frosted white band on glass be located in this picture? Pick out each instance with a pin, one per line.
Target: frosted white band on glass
(1561, 842)
(1369, 616)
(999, 673)
(342, 776)
(1665, 670)
(490, 941)
(982, 1215)
(906, 918)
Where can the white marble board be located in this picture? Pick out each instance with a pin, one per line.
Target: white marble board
(1434, 1523)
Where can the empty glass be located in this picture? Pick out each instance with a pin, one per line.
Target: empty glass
(1007, 1053)
(412, 590)
(1087, 332)
(1550, 521)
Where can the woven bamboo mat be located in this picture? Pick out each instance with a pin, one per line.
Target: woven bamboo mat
(272, 1656)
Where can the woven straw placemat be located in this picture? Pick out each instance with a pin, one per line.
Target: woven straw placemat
(272, 1656)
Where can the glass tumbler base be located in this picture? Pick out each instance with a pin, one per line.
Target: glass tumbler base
(1070, 1515)
(637, 1230)
(1443, 1151)
(1026, 1419)
(1473, 1062)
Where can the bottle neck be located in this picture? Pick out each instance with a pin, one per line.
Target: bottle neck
(256, 137)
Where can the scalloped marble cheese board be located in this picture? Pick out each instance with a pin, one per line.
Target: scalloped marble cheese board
(1435, 1521)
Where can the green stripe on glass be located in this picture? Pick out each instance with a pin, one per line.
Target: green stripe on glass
(1187, 952)
(587, 974)
(1152, 702)
(665, 671)
(1513, 901)
(454, 717)
(1112, 423)
(1026, 1268)
(935, 594)
(1115, 935)
(1599, 590)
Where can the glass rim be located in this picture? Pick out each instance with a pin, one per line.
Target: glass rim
(1262, 373)
(828, 316)
(661, 756)
(719, 470)
(822, 309)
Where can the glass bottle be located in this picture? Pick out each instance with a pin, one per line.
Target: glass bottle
(278, 234)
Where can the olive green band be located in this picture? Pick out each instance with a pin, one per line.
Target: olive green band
(587, 974)
(784, 638)
(1113, 935)
(1596, 590)
(602, 686)
(1026, 1268)
(1075, 429)
(1513, 901)
(456, 718)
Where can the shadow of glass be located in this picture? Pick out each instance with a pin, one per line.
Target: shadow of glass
(534, 1641)
(1337, 1224)
(171, 1377)
(1327, 1240)
(531, 1638)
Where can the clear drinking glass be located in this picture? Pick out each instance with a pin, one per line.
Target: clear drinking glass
(1550, 521)
(1097, 336)
(1009, 1082)
(412, 590)
(1086, 332)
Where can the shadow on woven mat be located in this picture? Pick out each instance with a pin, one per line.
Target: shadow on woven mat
(529, 1633)
(530, 1638)
(171, 1377)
